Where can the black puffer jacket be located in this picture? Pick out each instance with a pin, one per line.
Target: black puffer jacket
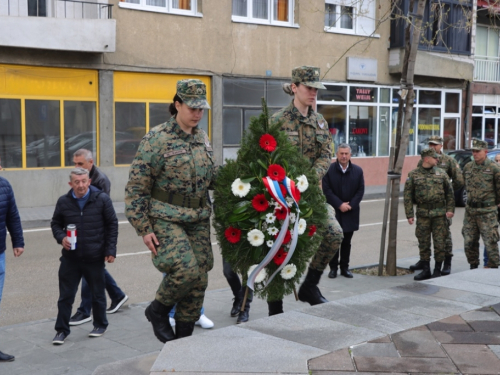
(96, 226)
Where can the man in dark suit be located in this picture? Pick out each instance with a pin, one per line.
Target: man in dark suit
(344, 186)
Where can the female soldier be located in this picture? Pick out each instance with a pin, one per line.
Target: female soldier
(166, 203)
(308, 130)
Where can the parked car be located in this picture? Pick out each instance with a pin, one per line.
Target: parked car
(463, 157)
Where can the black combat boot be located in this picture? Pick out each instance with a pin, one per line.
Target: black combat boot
(157, 314)
(417, 266)
(446, 266)
(309, 291)
(244, 315)
(437, 270)
(275, 307)
(183, 329)
(473, 266)
(238, 300)
(426, 273)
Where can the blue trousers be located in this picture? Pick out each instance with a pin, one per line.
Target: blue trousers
(115, 293)
(2, 273)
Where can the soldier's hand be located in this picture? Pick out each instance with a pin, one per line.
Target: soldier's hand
(411, 220)
(449, 215)
(151, 242)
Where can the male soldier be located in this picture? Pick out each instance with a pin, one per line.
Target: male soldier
(430, 189)
(482, 183)
(452, 169)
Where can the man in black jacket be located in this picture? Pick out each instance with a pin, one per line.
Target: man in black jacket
(93, 214)
(344, 187)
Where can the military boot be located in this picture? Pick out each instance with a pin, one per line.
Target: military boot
(446, 266)
(309, 291)
(417, 266)
(183, 329)
(275, 307)
(437, 270)
(157, 314)
(425, 274)
(473, 266)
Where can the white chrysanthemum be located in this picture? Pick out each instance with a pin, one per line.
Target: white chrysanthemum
(255, 237)
(240, 188)
(289, 201)
(273, 231)
(261, 276)
(288, 271)
(293, 217)
(302, 226)
(302, 183)
(270, 218)
(270, 243)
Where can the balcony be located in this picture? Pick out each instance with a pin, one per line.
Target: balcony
(65, 25)
(487, 69)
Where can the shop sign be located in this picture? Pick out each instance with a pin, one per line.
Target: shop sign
(361, 69)
(363, 94)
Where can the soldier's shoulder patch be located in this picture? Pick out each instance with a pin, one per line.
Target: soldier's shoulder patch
(174, 152)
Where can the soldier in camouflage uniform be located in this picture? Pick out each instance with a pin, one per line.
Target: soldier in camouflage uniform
(452, 169)
(482, 182)
(166, 203)
(430, 189)
(308, 130)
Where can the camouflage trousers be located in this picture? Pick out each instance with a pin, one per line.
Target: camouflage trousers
(331, 242)
(486, 226)
(185, 255)
(448, 247)
(436, 227)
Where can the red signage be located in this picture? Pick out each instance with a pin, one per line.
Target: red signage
(359, 131)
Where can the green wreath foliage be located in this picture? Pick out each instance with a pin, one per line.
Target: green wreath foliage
(237, 212)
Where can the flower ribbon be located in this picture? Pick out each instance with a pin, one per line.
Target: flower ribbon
(274, 190)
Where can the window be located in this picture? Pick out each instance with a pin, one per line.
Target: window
(267, 12)
(350, 16)
(37, 8)
(183, 7)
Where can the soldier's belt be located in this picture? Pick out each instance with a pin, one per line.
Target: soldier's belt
(177, 199)
(431, 206)
(481, 204)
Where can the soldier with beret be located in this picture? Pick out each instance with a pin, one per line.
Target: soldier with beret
(166, 203)
(430, 189)
(452, 169)
(308, 130)
(482, 183)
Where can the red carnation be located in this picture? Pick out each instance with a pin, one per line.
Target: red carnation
(276, 172)
(232, 234)
(260, 203)
(283, 190)
(279, 258)
(280, 213)
(267, 142)
(287, 239)
(312, 230)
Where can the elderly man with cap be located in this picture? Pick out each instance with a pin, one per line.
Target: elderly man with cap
(452, 169)
(308, 131)
(430, 189)
(166, 203)
(482, 183)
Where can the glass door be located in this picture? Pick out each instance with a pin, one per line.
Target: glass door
(451, 135)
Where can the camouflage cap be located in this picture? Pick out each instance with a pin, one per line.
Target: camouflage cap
(478, 144)
(436, 140)
(308, 76)
(428, 152)
(193, 93)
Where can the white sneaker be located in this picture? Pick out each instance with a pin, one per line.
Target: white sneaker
(204, 322)
(172, 322)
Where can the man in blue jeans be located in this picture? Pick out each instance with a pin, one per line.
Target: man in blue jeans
(83, 159)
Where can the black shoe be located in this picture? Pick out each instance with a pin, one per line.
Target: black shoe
(473, 266)
(425, 274)
(157, 314)
(235, 310)
(97, 332)
(309, 291)
(346, 273)
(79, 318)
(417, 266)
(115, 305)
(59, 338)
(446, 266)
(437, 270)
(275, 307)
(332, 274)
(243, 317)
(6, 357)
(183, 329)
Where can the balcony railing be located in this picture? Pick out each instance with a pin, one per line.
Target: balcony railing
(56, 9)
(487, 69)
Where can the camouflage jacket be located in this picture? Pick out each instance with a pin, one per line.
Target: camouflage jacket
(430, 189)
(482, 183)
(310, 134)
(452, 169)
(173, 161)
